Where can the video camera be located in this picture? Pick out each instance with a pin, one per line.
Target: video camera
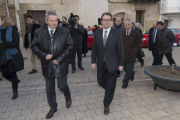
(59, 21)
(71, 19)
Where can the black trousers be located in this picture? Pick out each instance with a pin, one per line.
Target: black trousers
(129, 69)
(140, 57)
(107, 80)
(157, 57)
(50, 90)
(169, 58)
(14, 80)
(78, 50)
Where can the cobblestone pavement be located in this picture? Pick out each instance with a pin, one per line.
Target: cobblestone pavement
(138, 102)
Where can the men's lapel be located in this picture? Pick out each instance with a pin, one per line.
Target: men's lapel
(109, 37)
(101, 38)
(131, 33)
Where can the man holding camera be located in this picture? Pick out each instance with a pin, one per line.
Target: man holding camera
(76, 31)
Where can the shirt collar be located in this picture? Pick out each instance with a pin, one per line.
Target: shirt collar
(107, 30)
(129, 31)
(49, 29)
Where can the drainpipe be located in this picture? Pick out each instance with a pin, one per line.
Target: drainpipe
(7, 8)
(65, 8)
(21, 24)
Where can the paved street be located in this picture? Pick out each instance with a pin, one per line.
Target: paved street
(138, 102)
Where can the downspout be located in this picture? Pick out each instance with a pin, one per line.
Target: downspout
(21, 24)
(7, 8)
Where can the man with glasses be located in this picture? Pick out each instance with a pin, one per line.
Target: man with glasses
(108, 54)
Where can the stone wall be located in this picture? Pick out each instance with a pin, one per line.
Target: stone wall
(129, 11)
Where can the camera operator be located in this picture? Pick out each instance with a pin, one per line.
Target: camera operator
(76, 31)
(64, 22)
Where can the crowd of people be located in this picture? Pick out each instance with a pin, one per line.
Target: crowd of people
(115, 48)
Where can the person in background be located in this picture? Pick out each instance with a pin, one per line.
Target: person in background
(95, 27)
(64, 22)
(140, 59)
(76, 32)
(165, 42)
(152, 44)
(118, 26)
(84, 44)
(9, 37)
(28, 39)
(132, 44)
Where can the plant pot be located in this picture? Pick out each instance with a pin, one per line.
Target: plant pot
(164, 82)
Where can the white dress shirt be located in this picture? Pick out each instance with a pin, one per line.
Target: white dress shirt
(108, 30)
(128, 32)
(49, 29)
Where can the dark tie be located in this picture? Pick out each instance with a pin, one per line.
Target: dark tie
(154, 32)
(51, 33)
(127, 33)
(105, 38)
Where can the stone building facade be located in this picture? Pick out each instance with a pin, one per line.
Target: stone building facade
(170, 13)
(142, 11)
(89, 11)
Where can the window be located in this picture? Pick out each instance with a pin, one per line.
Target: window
(174, 30)
(99, 21)
(178, 31)
(90, 33)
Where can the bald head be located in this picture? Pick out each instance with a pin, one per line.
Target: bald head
(118, 21)
(155, 24)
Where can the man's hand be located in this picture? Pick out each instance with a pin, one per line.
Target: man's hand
(55, 62)
(93, 66)
(48, 57)
(120, 68)
(75, 26)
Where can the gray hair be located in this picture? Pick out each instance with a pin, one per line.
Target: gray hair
(49, 13)
(128, 20)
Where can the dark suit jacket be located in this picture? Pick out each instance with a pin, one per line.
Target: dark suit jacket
(113, 52)
(132, 44)
(77, 34)
(150, 38)
(140, 32)
(26, 42)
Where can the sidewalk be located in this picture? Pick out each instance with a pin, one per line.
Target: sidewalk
(138, 102)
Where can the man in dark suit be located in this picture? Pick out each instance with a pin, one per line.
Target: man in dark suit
(139, 52)
(108, 50)
(28, 39)
(132, 44)
(152, 44)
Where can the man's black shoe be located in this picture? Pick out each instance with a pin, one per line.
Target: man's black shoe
(124, 86)
(51, 113)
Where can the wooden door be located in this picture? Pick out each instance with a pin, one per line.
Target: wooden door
(38, 16)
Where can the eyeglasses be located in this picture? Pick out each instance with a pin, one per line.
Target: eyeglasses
(106, 20)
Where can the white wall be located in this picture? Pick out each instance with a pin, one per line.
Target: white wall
(170, 6)
(91, 10)
(175, 22)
